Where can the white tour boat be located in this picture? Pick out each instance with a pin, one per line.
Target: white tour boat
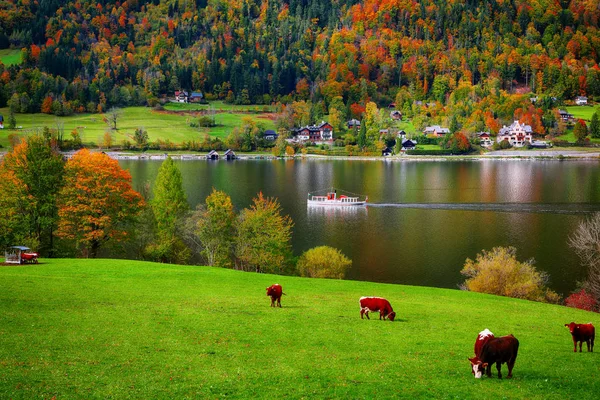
(332, 198)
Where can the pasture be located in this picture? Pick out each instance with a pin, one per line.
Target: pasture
(10, 57)
(583, 112)
(117, 328)
(159, 124)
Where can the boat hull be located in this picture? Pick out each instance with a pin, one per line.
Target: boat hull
(336, 203)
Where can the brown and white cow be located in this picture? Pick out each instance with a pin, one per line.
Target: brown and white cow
(275, 291)
(482, 338)
(495, 350)
(380, 304)
(582, 333)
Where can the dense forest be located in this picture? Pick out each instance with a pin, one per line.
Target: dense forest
(90, 55)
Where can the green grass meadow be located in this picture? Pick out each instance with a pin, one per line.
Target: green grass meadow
(160, 125)
(583, 112)
(10, 57)
(125, 329)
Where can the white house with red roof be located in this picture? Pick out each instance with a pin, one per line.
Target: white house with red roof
(315, 133)
(516, 134)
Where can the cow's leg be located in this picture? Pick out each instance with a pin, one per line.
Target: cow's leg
(592, 344)
(488, 370)
(574, 345)
(580, 344)
(498, 367)
(367, 314)
(279, 302)
(272, 301)
(510, 364)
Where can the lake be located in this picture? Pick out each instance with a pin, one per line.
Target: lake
(425, 218)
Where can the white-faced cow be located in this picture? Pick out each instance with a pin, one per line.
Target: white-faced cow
(275, 291)
(495, 350)
(582, 333)
(380, 304)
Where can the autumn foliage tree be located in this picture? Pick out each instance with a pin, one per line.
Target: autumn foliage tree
(263, 237)
(499, 272)
(323, 262)
(215, 229)
(30, 177)
(97, 204)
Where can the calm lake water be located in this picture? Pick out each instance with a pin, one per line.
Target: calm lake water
(426, 217)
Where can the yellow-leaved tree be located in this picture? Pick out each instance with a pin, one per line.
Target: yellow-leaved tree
(499, 272)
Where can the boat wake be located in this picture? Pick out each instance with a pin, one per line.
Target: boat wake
(549, 208)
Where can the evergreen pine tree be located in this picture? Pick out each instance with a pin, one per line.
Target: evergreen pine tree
(362, 135)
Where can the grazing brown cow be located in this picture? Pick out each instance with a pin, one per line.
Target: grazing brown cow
(496, 350)
(275, 291)
(376, 304)
(582, 333)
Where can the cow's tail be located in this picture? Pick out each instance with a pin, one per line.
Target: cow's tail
(284, 293)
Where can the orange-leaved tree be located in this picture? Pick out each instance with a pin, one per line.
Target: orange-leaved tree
(97, 203)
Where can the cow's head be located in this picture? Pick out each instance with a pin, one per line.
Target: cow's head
(391, 316)
(571, 326)
(477, 367)
(269, 290)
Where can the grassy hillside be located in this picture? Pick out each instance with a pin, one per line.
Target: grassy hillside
(160, 125)
(116, 328)
(10, 57)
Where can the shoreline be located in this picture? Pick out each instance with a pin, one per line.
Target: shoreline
(535, 155)
(529, 156)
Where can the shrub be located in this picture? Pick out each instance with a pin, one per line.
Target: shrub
(498, 272)
(582, 300)
(323, 262)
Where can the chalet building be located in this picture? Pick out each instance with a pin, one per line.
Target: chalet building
(516, 134)
(581, 100)
(401, 134)
(353, 124)
(408, 144)
(315, 133)
(270, 135)
(230, 155)
(396, 115)
(436, 130)
(181, 96)
(388, 151)
(484, 139)
(565, 116)
(213, 155)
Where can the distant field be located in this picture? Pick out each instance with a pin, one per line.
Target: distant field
(10, 56)
(160, 125)
(583, 112)
(219, 106)
(76, 328)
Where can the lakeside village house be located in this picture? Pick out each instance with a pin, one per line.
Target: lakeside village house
(181, 96)
(322, 133)
(516, 134)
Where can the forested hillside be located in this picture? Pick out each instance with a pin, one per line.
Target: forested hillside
(89, 55)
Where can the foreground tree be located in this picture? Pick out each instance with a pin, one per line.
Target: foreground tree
(169, 204)
(580, 130)
(30, 177)
(586, 243)
(595, 125)
(97, 204)
(215, 229)
(323, 262)
(498, 272)
(263, 237)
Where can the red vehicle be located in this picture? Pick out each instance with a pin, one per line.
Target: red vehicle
(20, 255)
(29, 258)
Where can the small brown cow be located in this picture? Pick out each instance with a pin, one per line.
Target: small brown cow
(275, 291)
(582, 333)
(380, 304)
